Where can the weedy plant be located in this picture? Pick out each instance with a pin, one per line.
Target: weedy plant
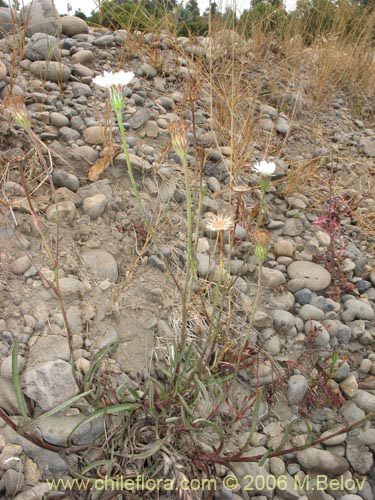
(177, 421)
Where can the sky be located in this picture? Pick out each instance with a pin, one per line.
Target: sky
(87, 6)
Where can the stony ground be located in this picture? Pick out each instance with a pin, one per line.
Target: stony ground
(113, 290)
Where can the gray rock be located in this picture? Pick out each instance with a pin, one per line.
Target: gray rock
(81, 89)
(146, 70)
(283, 248)
(368, 146)
(304, 295)
(293, 226)
(206, 266)
(138, 164)
(297, 388)
(21, 265)
(326, 462)
(71, 287)
(94, 134)
(40, 16)
(72, 25)
(283, 321)
(74, 318)
(13, 482)
(87, 153)
(104, 41)
(308, 312)
(317, 277)
(56, 430)
(351, 412)
(359, 456)
(357, 309)
(50, 70)
(68, 134)
(83, 57)
(365, 400)
(42, 48)
(61, 212)
(8, 398)
(103, 186)
(6, 21)
(49, 348)
(61, 178)
(94, 206)
(140, 117)
(270, 341)
(50, 384)
(282, 125)
(272, 278)
(6, 366)
(104, 335)
(266, 124)
(101, 263)
(320, 334)
(58, 120)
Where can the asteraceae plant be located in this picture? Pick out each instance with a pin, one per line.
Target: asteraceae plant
(219, 222)
(262, 238)
(265, 169)
(115, 83)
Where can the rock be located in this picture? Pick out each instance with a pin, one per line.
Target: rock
(71, 287)
(94, 135)
(101, 263)
(61, 178)
(56, 430)
(74, 318)
(304, 295)
(73, 25)
(308, 312)
(322, 461)
(83, 57)
(283, 248)
(368, 147)
(8, 398)
(293, 226)
(68, 134)
(140, 117)
(6, 21)
(359, 456)
(365, 400)
(270, 341)
(58, 120)
(61, 212)
(94, 206)
(282, 125)
(40, 16)
(6, 366)
(349, 386)
(49, 348)
(54, 71)
(340, 439)
(318, 332)
(297, 387)
(21, 265)
(283, 321)
(49, 384)
(13, 482)
(42, 48)
(357, 309)
(317, 277)
(272, 278)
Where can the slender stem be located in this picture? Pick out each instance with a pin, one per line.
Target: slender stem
(265, 182)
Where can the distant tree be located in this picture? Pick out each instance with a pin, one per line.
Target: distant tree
(193, 9)
(79, 13)
(213, 8)
(3, 4)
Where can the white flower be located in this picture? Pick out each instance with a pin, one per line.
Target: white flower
(266, 168)
(109, 79)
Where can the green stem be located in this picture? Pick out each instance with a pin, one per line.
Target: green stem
(265, 182)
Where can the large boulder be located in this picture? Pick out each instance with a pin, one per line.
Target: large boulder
(73, 25)
(6, 21)
(40, 16)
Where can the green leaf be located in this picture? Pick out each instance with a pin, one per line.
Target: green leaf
(58, 408)
(17, 382)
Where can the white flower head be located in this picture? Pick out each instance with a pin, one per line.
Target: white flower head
(265, 168)
(109, 79)
(115, 83)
